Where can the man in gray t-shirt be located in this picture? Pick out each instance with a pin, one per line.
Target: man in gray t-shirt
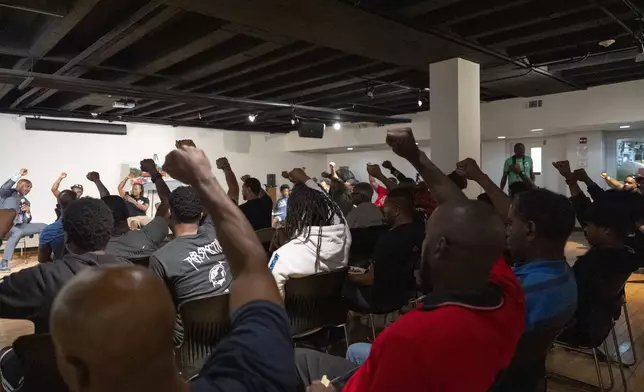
(192, 265)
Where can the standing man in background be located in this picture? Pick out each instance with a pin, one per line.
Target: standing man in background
(279, 215)
(517, 167)
(15, 199)
(78, 188)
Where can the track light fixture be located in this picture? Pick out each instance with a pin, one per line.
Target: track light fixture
(371, 90)
(252, 117)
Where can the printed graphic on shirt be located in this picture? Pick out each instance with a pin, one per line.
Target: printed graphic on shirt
(203, 254)
(273, 261)
(217, 275)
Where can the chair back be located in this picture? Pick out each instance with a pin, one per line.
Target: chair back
(265, 237)
(38, 358)
(6, 221)
(528, 367)
(142, 261)
(205, 322)
(315, 301)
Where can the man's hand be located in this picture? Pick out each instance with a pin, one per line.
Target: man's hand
(25, 208)
(285, 175)
(387, 165)
(563, 167)
(403, 143)
(245, 177)
(374, 170)
(188, 165)
(325, 175)
(148, 166)
(469, 169)
(62, 175)
(298, 175)
(185, 142)
(222, 163)
(93, 176)
(516, 168)
(23, 172)
(604, 175)
(581, 175)
(317, 386)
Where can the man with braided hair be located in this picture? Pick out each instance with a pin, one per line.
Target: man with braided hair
(317, 232)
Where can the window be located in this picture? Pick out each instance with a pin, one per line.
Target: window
(535, 154)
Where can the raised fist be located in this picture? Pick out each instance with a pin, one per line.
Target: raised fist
(188, 165)
(245, 177)
(604, 175)
(23, 172)
(581, 175)
(62, 175)
(516, 168)
(93, 176)
(563, 167)
(184, 142)
(469, 169)
(222, 163)
(149, 166)
(285, 174)
(374, 170)
(403, 143)
(387, 165)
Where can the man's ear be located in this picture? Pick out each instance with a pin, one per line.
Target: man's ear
(531, 230)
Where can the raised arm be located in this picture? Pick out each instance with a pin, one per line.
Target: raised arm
(148, 166)
(96, 179)
(121, 187)
(563, 167)
(527, 180)
(403, 144)
(613, 183)
(6, 187)
(231, 180)
(375, 173)
(246, 256)
(54, 188)
(469, 169)
(394, 172)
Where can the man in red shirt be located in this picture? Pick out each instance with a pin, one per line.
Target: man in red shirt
(465, 332)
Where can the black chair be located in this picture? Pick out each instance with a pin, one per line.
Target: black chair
(363, 242)
(141, 261)
(527, 371)
(599, 326)
(265, 237)
(205, 322)
(38, 358)
(315, 301)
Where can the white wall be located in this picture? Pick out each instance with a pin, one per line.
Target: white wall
(46, 154)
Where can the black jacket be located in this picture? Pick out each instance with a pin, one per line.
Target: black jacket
(29, 294)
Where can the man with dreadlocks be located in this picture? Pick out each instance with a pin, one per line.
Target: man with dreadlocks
(317, 232)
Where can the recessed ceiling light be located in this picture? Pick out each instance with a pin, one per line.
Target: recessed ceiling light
(536, 130)
(416, 143)
(252, 117)
(624, 126)
(337, 126)
(350, 148)
(500, 137)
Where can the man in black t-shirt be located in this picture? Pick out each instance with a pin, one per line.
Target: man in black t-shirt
(386, 283)
(112, 328)
(192, 265)
(259, 206)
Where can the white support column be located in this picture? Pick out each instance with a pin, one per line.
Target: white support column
(455, 113)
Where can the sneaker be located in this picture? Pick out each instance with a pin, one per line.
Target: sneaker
(4, 266)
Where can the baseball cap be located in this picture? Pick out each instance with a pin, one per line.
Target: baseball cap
(79, 186)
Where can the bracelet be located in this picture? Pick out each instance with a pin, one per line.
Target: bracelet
(156, 176)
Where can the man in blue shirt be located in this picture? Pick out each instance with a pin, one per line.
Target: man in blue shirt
(280, 207)
(52, 238)
(540, 223)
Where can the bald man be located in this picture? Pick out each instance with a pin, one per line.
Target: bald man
(113, 327)
(472, 319)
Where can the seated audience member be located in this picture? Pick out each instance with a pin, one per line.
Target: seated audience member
(112, 328)
(77, 188)
(16, 199)
(192, 265)
(52, 237)
(258, 208)
(231, 180)
(137, 203)
(539, 224)
(136, 244)
(480, 313)
(391, 276)
(318, 236)
(340, 190)
(279, 215)
(365, 213)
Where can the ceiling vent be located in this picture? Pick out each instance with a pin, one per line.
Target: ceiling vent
(534, 104)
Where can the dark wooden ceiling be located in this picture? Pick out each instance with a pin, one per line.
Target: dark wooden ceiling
(212, 63)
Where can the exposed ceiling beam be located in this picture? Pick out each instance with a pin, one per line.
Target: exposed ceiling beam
(597, 59)
(101, 50)
(483, 8)
(43, 7)
(336, 25)
(52, 33)
(425, 7)
(86, 86)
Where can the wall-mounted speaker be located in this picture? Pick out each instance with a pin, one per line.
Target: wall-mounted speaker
(311, 130)
(270, 181)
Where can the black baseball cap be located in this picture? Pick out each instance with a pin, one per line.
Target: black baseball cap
(79, 186)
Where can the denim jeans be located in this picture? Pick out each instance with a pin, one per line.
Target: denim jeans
(358, 353)
(16, 233)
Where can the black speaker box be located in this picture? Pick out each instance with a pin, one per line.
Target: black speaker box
(311, 130)
(270, 181)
